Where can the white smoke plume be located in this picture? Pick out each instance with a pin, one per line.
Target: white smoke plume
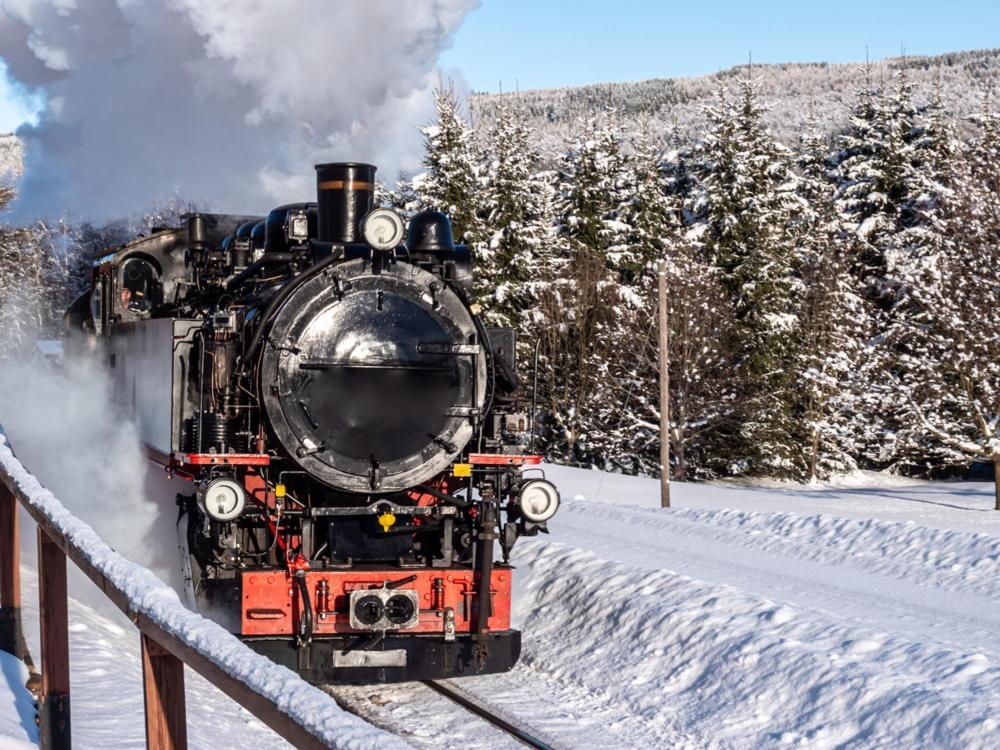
(63, 427)
(228, 102)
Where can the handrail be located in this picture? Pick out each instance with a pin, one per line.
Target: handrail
(172, 636)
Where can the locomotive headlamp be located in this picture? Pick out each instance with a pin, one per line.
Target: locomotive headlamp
(222, 499)
(297, 227)
(383, 229)
(539, 500)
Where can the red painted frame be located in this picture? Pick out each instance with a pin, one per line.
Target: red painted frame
(271, 606)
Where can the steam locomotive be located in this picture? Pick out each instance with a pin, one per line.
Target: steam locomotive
(354, 434)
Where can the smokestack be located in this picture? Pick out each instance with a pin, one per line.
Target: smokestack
(345, 195)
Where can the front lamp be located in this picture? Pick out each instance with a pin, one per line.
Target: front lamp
(383, 229)
(297, 227)
(538, 500)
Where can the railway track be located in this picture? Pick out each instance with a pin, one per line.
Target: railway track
(470, 704)
(414, 701)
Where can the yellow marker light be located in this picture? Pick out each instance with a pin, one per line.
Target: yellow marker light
(386, 520)
(462, 470)
(279, 490)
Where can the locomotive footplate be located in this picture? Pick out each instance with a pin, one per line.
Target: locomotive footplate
(395, 658)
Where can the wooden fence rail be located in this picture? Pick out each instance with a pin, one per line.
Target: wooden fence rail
(164, 654)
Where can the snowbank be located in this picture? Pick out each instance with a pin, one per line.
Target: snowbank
(152, 598)
(739, 670)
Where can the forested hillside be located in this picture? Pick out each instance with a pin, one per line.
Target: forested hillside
(833, 290)
(675, 108)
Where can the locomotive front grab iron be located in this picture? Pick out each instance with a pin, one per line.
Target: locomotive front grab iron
(354, 434)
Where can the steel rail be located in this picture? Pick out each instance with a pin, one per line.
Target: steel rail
(470, 704)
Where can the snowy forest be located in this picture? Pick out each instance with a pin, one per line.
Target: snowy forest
(833, 300)
(833, 293)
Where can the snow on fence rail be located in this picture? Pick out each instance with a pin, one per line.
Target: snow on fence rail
(172, 636)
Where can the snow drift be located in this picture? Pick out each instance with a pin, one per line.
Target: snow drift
(730, 669)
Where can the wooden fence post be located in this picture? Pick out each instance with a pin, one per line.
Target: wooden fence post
(163, 687)
(11, 636)
(53, 708)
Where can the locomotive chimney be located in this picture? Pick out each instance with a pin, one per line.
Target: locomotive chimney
(345, 195)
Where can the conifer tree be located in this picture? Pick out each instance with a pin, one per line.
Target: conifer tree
(651, 215)
(833, 335)
(516, 217)
(947, 369)
(584, 309)
(453, 161)
(747, 203)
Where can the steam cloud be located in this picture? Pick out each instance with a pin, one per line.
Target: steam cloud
(64, 429)
(224, 101)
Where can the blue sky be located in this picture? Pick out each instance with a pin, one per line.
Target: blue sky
(14, 106)
(543, 44)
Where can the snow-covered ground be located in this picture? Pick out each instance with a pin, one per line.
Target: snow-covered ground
(863, 614)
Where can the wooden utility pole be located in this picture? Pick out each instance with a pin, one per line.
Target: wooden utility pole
(664, 390)
(996, 480)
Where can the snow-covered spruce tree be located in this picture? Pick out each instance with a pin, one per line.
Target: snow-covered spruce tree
(868, 211)
(584, 308)
(893, 171)
(744, 209)
(832, 338)
(650, 216)
(701, 387)
(517, 220)
(641, 229)
(453, 161)
(947, 329)
(917, 168)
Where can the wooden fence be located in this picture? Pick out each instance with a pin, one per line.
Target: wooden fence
(164, 654)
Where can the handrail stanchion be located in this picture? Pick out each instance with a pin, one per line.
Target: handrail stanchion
(11, 639)
(163, 689)
(53, 708)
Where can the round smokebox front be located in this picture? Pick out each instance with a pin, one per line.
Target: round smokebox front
(369, 379)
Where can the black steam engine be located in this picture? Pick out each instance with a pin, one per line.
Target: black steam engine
(354, 434)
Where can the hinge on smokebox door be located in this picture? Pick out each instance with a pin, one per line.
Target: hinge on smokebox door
(376, 474)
